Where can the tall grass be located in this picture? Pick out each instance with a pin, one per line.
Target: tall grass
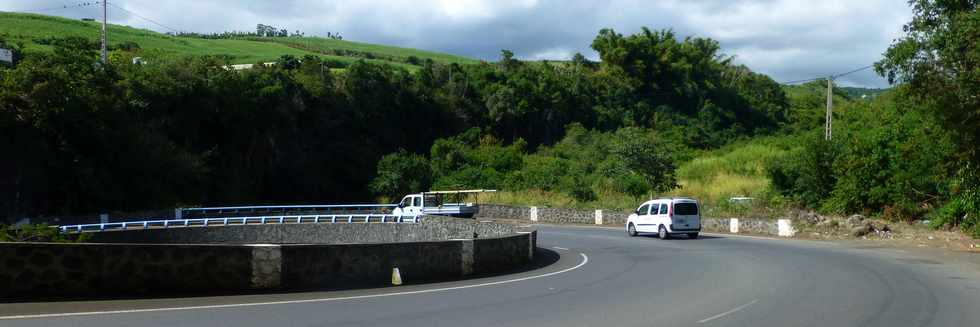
(712, 177)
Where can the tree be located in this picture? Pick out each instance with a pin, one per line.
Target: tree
(401, 173)
(939, 60)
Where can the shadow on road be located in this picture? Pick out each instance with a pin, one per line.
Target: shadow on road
(683, 237)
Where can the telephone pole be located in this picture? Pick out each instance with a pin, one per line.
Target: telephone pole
(105, 55)
(829, 124)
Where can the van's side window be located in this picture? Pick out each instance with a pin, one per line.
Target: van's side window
(643, 209)
(416, 201)
(663, 208)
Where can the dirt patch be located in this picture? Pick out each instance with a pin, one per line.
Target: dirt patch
(876, 232)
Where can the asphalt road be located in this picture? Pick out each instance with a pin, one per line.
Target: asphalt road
(602, 278)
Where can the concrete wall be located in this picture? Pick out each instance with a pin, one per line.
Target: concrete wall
(32, 270)
(494, 211)
(353, 265)
(774, 227)
(431, 228)
(38, 270)
(552, 215)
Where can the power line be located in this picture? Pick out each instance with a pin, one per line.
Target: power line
(77, 5)
(804, 80)
(853, 71)
(832, 76)
(142, 17)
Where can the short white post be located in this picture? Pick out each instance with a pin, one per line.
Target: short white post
(733, 225)
(598, 216)
(786, 228)
(534, 213)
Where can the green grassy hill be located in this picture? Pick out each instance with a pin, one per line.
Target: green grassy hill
(34, 31)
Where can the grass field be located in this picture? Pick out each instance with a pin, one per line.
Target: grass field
(32, 30)
(712, 177)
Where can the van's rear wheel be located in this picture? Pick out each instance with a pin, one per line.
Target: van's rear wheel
(631, 230)
(692, 235)
(663, 234)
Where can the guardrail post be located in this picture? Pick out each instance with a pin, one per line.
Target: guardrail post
(534, 214)
(333, 219)
(206, 222)
(316, 220)
(733, 225)
(145, 225)
(225, 222)
(382, 218)
(598, 216)
(350, 219)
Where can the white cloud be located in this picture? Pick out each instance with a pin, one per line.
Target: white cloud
(787, 39)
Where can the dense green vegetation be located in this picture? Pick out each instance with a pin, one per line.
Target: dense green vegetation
(37, 32)
(187, 131)
(659, 115)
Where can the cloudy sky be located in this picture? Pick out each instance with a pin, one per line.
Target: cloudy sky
(787, 39)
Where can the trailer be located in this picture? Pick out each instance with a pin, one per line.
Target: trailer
(440, 203)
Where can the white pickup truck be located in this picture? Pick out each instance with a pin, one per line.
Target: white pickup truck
(440, 203)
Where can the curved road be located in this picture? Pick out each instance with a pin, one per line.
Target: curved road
(602, 278)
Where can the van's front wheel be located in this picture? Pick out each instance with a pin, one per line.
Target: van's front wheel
(663, 234)
(631, 230)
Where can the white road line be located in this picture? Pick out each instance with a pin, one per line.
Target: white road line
(737, 309)
(585, 259)
(559, 248)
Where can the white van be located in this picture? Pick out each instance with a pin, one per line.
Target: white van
(666, 216)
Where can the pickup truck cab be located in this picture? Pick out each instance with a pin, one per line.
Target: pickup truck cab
(666, 217)
(439, 203)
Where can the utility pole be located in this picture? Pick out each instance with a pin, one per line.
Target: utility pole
(105, 55)
(828, 126)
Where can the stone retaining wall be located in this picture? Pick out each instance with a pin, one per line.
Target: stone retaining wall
(552, 215)
(774, 227)
(431, 228)
(494, 211)
(43, 270)
(33, 270)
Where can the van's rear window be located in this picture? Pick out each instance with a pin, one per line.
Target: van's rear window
(685, 209)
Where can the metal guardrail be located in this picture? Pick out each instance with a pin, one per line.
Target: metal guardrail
(181, 212)
(229, 221)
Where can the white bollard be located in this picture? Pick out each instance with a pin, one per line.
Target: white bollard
(786, 228)
(396, 276)
(598, 216)
(733, 226)
(534, 213)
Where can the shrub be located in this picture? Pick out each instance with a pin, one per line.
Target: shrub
(401, 173)
(37, 233)
(805, 174)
